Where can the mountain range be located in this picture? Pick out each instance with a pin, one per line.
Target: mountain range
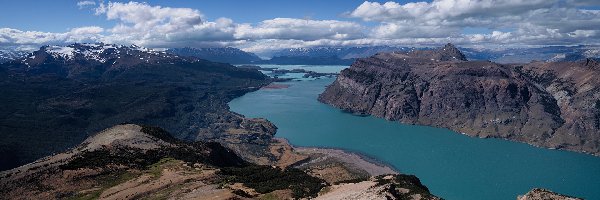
(69, 123)
(346, 55)
(340, 52)
(224, 55)
(88, 121)
(58, 95)
(7, 55)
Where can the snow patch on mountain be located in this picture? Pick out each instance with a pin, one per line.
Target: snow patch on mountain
(592, 53)
(8, 55)
(59, 51)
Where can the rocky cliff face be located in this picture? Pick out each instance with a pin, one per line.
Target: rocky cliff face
(552, 105)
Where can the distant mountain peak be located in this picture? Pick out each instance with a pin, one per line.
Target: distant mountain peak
(450, 52)
(9, 55)
(449, 45)
(217, 54)
(99, 53)
(592, 63)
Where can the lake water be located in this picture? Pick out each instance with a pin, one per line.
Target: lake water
(451, 165)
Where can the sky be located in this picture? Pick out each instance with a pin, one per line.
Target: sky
(267, 25)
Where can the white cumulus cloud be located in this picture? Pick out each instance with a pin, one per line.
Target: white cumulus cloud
(505, 22)
(15, 38)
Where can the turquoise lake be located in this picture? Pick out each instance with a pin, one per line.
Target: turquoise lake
(451, 165)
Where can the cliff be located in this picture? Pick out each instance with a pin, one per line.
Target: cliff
(554, 105)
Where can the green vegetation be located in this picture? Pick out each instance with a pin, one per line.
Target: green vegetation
(163, 194)
(159, 133)
(269, 196)
(410, 182)
(265, 179)
(106, 181)
(242, 193)
(192, 152)
(156, 169)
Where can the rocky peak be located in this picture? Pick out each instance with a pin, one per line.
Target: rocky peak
(446, 53)
(450, 52)
(123, 136)
(591, 63)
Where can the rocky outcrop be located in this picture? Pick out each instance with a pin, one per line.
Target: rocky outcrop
(553, 105)
(387, 187)
(543, 194)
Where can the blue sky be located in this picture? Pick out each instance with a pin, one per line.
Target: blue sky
(61, 15)
(268, 25)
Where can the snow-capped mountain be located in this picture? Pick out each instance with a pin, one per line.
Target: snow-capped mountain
(224, 55)
(92, 60)
(98, 52)
(340, 52)
(6, 55)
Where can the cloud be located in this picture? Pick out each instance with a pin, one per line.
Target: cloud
(15, 38)
(583, 2)
(505, 22)
(534, 21)
(300, 29)
(157, 26)
(85, 4)
(440, 10)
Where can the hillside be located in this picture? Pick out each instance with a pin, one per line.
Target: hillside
(58, 95)
(131, 162)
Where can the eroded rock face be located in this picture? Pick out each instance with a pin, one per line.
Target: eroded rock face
(552, 105)
(543, 194)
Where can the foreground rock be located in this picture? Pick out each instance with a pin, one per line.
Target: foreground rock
(552, 105)
(543, 194)
(388, 187)
(133, 162)
(136, 162)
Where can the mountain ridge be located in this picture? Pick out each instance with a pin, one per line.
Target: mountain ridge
(77, 94)
(224, 55)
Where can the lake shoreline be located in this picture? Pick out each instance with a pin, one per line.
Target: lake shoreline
(450, 165)
(365, 162)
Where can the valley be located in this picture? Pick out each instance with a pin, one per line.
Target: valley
(451, 165)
